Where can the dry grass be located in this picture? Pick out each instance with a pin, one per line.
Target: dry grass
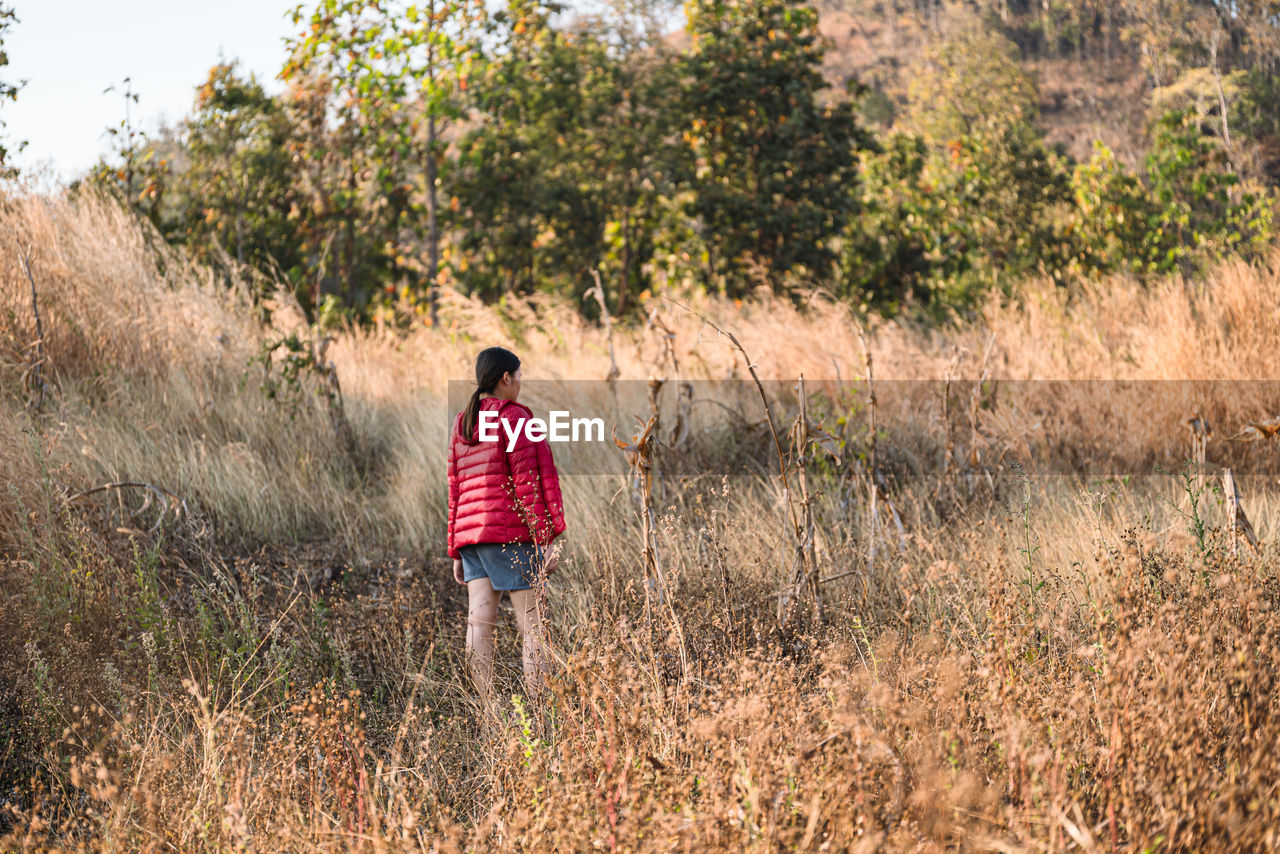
(1050, 662)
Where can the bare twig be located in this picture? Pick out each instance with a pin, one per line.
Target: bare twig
(639, 456)
(839, 576)
(948, 459)
(1201, 431)
(873, 473)
(668, 340)
(1257, 431)
(325, 368)
(975, 403)
(1237, 521)
(37, 379)
(320, 274)
(166, 497)
(680, 430)
(801, 437)
(871, 401)
(333, 391)
(598, 294)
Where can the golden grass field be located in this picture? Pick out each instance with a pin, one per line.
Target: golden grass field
(1045, 662)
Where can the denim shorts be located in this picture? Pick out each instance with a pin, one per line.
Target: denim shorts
(508, 566)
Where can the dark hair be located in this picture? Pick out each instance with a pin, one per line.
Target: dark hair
(491, 364)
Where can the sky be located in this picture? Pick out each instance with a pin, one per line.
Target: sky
(69, 51)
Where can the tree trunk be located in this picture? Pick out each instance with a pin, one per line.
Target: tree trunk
(433, 201)
(1107, 29)
(1222, 95)
(433, 223)
(624, 281)
(240, 212)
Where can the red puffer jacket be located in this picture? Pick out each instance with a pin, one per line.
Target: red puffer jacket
(500, 497)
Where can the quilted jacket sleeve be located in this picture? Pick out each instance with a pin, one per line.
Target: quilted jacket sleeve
(549, 478)
(453, 497)
(537, 486)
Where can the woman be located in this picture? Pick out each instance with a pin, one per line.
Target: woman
(504, 510)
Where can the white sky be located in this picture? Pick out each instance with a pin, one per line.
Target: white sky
(69, 51)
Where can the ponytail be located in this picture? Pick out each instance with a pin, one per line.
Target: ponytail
(491, 365)
(470, 416)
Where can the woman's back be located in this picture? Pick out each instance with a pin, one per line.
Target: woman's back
(496, 496)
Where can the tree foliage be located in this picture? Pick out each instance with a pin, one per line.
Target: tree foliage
(971, 84)
(371, 83)
(8, 89)
(571, 154)
(238, 180)
(528, 219)
(517, 150)
(775, 169)
(139, 169)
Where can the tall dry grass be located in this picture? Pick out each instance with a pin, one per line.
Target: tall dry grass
(1032, 662)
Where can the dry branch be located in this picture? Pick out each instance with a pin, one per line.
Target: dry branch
(680, 430)
(873, 512)
(598, 294)
(751, 368)
(1237, 521)
(639, 456)
(37, 362)
(333, 391)
(1201, 430)
(167, 499)
(1256, 431)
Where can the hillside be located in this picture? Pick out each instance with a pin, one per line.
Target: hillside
(1082, 99)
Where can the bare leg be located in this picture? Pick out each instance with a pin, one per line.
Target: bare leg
(529, 609)
(482, 615)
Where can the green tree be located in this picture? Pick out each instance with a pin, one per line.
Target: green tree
(1202, 206)
(970, 84)
(1117, 222)
(899, 245)
(373, 84)
(443, 54)
(338, 100)
(966, 193)
(527, 219)
(574, 153)
(775, 168)
(139, 169)
(237, 191)
(8, 90)
(634, 155)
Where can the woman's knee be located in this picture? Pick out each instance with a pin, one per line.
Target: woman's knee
(482, 620)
